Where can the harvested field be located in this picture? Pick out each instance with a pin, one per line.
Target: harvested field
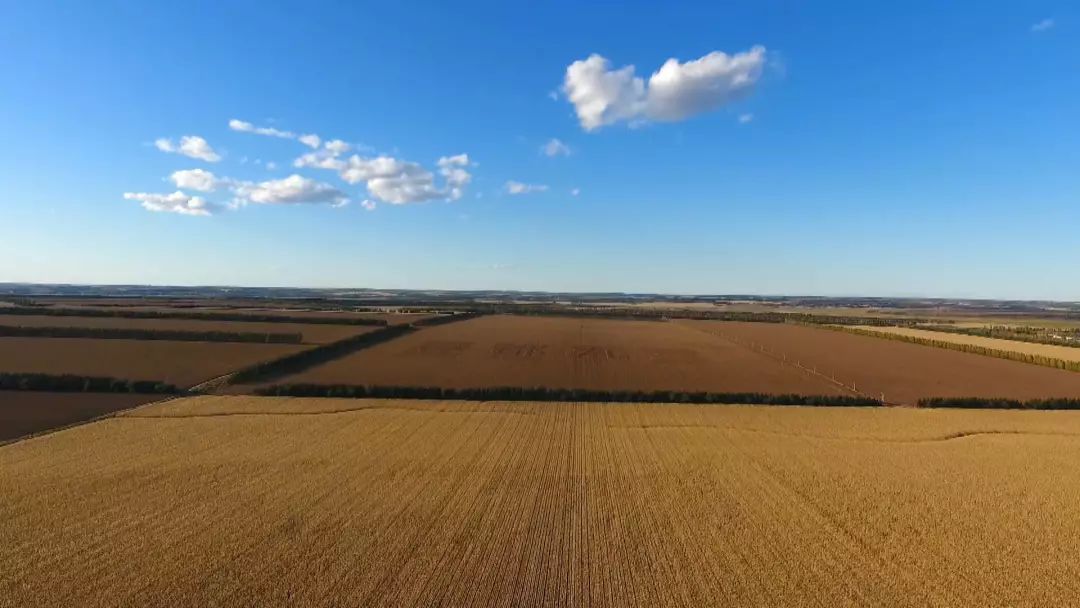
(903, 372)
(312, 333)
(561, 352)
(1065, 353)
(26, 412)
(401, 318)
(255, 501)
(181, 363)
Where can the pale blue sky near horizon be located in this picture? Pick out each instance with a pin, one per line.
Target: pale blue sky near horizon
(840, 148)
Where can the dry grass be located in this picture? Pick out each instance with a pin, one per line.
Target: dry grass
(181, 363)
(255, 501)
(561, 352)
(1065, 353)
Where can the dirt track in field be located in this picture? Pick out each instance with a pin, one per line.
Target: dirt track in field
(255, 501)
(559, 352)
(903, 372)
(181, 363)
(26, 412)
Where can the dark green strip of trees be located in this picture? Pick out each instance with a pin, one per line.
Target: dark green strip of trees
(1072, 366)
(1001, 404)
(67, 383)
(512, 393)
(182, 314)
(102, 333)
(297, 362)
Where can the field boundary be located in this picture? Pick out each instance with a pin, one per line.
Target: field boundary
(1071, 366)
(175, 335)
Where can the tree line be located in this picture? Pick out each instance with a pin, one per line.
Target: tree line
(69, 383)
(1037, 335)
(1073, 366)
(1001, 404)
(102, 333)
(513, 393)
(182, 314)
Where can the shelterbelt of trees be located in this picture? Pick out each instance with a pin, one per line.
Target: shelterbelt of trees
(68, 383)
(1001, 404)
(511, 393)
(101, 333)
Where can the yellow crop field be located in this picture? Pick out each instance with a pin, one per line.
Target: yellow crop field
(244, 501)
(1065, 353)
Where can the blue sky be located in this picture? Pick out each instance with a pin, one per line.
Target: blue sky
(833, 148)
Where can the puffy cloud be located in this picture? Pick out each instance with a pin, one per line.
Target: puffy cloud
(1043, 25)
(247, 127)
(745, 118)
(191, 146)
(289, 190)
(197, 179)
(515, 188)
(389, 179)
(310, 140)
(603, 96)
(177, 202)
(554, 147)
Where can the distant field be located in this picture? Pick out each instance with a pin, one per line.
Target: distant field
(398, 503)
(560, 352)
(181, 363)
(390, 318)
(1065, 353)
(903, 372)
(26, 412)
(312, 333)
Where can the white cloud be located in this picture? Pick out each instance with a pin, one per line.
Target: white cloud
(1043, 25)
(745, 118)
(603, 96)
(575, 191)
(368, 205)
(197, 179)
(554, 147)
(389, 179)
(247, 127)
(311, 140)
(289, 190)
(515, 188)
(177, 202)
(191, 146)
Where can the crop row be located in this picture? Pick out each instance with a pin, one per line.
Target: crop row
(67, 383)
(179, 314)
(1073, 366)
(102, 333)
(511, 393)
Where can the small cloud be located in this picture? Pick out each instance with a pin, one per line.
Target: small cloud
(553, 95)
(745, 118)
(368, 205)
(575, 191)
(271, 165)
(554, 147)
(191, 146)
(247, 127)
(310, 140)
(1043, 25)
(197, 179)
(289, 190)
(517, 188)
(177, 202)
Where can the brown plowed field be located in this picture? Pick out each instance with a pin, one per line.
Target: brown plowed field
(262, 502)
(181, 363)
(559, 352)
(903, 372)
(390, 318)
(26, 412)
(314, 333)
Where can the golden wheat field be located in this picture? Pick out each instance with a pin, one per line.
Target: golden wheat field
(242, 501)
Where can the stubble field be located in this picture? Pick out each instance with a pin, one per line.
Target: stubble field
(256, 501)
(560, 352)
(1065, 353)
